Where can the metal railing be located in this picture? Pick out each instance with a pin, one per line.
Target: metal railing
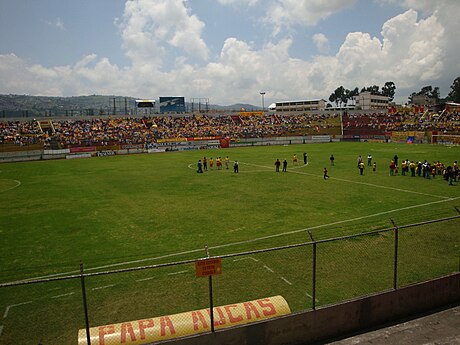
(308, 275)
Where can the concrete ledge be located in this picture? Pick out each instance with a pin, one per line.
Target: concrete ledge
(341, 319)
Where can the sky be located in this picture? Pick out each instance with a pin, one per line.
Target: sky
(227, 50)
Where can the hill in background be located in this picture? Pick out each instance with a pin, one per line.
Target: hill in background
(30, 106)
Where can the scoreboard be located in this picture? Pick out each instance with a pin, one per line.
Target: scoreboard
(172, 105)
(145, 103)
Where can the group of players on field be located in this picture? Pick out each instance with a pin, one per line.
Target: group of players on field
(202, 165)
(425, 169)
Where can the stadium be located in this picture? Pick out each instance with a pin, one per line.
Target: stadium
(106, 219)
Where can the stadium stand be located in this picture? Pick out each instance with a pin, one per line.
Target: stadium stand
(68, 133)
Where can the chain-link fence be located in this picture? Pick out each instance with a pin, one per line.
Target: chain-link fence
(158, 302)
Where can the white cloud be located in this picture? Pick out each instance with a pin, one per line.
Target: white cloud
(151, 27)
(321, 42)
(58, 22)
(238, 2)
(412, 52)
(428, 6)
(444, 15)
(288, 13)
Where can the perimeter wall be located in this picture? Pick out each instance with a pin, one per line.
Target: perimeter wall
(340, 319)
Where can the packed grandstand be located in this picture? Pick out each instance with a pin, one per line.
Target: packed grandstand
(112, 131)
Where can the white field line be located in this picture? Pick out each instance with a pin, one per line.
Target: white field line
(356, 182)
(174, 273)
(103, 287)
(192, 166)
(239, 259)
(5, 314)
(246, 258)
(298, 166)
(286, 281)
(18, 183)
(268, 269)
(271, 271)
(311, 297)
(244, 242)
(63, 295)
(330, 224)
(55, 289)
(145, 279)
(375, 185)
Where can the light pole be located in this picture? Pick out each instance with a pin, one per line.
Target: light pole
(262, 93)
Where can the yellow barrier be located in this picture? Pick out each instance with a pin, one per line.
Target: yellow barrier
(189, 323)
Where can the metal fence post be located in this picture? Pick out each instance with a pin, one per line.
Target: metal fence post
(395, 262)
(85, 305)
(313, 273)
(211, 304)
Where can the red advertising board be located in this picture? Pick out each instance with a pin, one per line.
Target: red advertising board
(82, 149)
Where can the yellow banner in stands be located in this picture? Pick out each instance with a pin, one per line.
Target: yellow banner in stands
(178, 325)
(251, 113)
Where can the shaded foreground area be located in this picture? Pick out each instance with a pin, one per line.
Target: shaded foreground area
(316, 327)
(440, 327)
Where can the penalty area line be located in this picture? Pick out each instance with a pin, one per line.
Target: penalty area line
(330, 224)
(246, 241)
(12, 306)
(63, 295)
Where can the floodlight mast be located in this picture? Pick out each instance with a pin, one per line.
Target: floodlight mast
(262, 93)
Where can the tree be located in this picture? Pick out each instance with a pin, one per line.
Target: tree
(427, 91)
(337, 95)
(349, 95)
(374, 89)
(389, 90)
(345, 97)
(333, 99)
(435, 94)
(454, 94)
(354, 93)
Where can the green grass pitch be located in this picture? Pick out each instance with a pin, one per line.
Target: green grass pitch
(127, 211)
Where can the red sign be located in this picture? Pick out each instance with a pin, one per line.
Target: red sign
(208, 267)
(82, 149)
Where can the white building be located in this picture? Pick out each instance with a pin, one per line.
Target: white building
(367, 101)
(300, 106)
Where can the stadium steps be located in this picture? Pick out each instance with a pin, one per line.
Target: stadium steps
(46, 126)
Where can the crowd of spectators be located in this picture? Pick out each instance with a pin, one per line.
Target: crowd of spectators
(132, 130)
(21, 133)
(100, 132)
(447, 123)
(235, 126)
